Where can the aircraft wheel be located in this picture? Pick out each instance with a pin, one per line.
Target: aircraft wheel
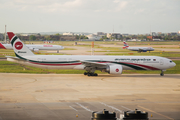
(95, 74)
(89, 74)
(85, 73)
(162, 74)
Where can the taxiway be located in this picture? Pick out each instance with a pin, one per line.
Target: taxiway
(75, 96)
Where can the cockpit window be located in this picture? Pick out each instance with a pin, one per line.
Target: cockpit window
(170, 61)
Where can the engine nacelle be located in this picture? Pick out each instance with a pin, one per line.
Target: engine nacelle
(114, 69)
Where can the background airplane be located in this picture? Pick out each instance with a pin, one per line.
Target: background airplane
(110, 64)
(139, 49)
(35, 48)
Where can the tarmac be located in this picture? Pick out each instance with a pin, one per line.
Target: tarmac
(75, 96)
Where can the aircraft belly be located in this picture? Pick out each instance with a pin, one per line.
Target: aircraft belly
(52, 67)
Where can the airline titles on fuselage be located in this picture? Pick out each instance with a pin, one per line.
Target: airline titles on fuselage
(127, 59)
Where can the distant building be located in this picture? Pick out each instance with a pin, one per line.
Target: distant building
(67, 37)
(133, 40)
(28, 34)
(54, 37)
(114, 35)
(93, 37)
(101, 33)
(125, 35)
(160, 34)
(173, 33)
(153, 34)
(68, 33)
(156, 39)
(150, 37)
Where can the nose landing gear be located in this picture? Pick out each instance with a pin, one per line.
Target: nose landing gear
(162, 72)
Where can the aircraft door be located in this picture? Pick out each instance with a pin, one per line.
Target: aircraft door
(161, 62)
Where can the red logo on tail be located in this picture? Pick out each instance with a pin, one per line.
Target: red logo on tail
(18, 45)
(117, 70)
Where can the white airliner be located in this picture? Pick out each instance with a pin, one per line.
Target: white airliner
(110, 64)
(139, 49)
(35, 48)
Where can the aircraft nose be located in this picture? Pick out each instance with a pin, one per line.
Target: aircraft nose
(173, 64)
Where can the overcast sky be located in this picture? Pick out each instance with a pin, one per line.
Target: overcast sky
(127, 16)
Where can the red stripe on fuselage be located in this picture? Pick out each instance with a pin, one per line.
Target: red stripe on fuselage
(145, 66)
(103, 62)
(56, 64)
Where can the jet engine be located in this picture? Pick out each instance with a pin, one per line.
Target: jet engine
(114, 69)
(142, 50)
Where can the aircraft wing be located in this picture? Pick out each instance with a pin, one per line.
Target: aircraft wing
(94, 64)
(10, 58)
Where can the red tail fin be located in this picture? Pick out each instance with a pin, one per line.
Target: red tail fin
(10, 35)
(1, 46)
(126, 45)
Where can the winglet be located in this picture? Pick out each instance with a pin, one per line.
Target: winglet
(10, 35)
(2, 46)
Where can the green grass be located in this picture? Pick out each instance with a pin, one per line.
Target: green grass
(11, 67)
(69, 49)
(110, 48)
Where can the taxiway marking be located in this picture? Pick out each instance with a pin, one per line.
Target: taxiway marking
(73, 108)
(84, 107)
(111, 107)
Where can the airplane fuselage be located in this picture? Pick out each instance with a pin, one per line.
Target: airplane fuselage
(73, 61)
(32, 47)
(140, 49)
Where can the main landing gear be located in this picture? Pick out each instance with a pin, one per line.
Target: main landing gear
(162, 73)
(90, 74)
